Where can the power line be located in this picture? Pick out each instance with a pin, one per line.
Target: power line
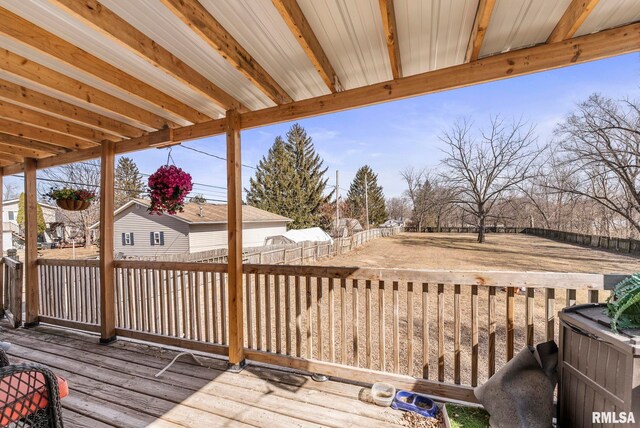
(212, 155)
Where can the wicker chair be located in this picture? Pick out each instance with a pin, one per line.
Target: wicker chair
(30, 396)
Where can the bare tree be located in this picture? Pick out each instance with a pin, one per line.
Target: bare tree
(430, 197)
(418, 185)
(600, 146)
(398, 208)
(85, 175)
(484, 167)
(11, 190)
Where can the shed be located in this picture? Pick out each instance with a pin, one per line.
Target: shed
(311, 234)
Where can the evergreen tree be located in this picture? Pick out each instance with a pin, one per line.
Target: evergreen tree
(128, 181)
(42, 226)
(198, 199)
(290, 180)
(356, 197)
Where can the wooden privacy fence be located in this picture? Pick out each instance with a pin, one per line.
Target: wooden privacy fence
(597, 241)
(11, 291)
(466, 229)
(287, 254)
(437, 331)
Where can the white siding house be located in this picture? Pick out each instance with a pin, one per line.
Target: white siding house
(199, 227)
(11, 228)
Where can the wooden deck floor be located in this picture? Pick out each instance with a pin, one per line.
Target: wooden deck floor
(115, 385)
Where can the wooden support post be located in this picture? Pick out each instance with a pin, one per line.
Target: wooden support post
(31, 244)
(107, 297)
(1, 248)
(234, 226)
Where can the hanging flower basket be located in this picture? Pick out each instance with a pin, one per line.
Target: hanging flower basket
(72, 199)
(168, 187)
(73, 204)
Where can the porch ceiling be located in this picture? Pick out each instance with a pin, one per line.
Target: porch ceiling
(75, 73)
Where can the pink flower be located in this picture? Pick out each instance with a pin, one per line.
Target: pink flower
(168, 187)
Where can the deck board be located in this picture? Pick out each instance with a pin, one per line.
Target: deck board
(115, 385)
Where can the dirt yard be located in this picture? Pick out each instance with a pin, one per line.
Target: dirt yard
(515, 252)
(460, 251)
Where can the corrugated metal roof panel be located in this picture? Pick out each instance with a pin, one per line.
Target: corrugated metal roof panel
(259, 28)
(433, 34)
(519, 23)
(157, 22)
(352, 37)
(65, 26)
(610, 13)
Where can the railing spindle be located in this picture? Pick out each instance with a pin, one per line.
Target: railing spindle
(354, 314)
(529, 315)
(441, 332)
(396, 328)
(278, 296)
(215, 292)
(249, 311)
(549, 313)
(456, 334)
(332, 326)
(258, 293)
(319, 326)
(368, 323)
(309, 320)
(410, 328)
(510, 322)
(474, 335)
(343, 321)
(425, 330)
(267, 308)
(298, 291)
(491, 326)
(381, 327)
(287, 308)
(223, 307)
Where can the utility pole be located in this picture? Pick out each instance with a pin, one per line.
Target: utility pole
(337, 204)
(366, 200)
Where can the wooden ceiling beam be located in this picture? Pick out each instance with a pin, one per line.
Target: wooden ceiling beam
(591, 47)
(201, 22)
(299, 26)
(20, 114)
(11, 158)
(12, 148)
(480, 25)
(26, 32)
(604, 44)
(45, 136)
(101, 19)
(571, 20)
(37, 101)
(19, 66)
(387, 11)
(33, 144)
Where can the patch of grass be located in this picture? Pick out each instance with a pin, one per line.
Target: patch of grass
(467, 417)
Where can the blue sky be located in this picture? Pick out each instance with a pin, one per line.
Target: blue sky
(392, 136)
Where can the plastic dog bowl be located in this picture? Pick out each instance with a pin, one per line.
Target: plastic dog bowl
(413, 402)
(383, 393)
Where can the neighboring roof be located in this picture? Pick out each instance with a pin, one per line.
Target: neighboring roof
(16, 200)
(313, 234)
(211, 213)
